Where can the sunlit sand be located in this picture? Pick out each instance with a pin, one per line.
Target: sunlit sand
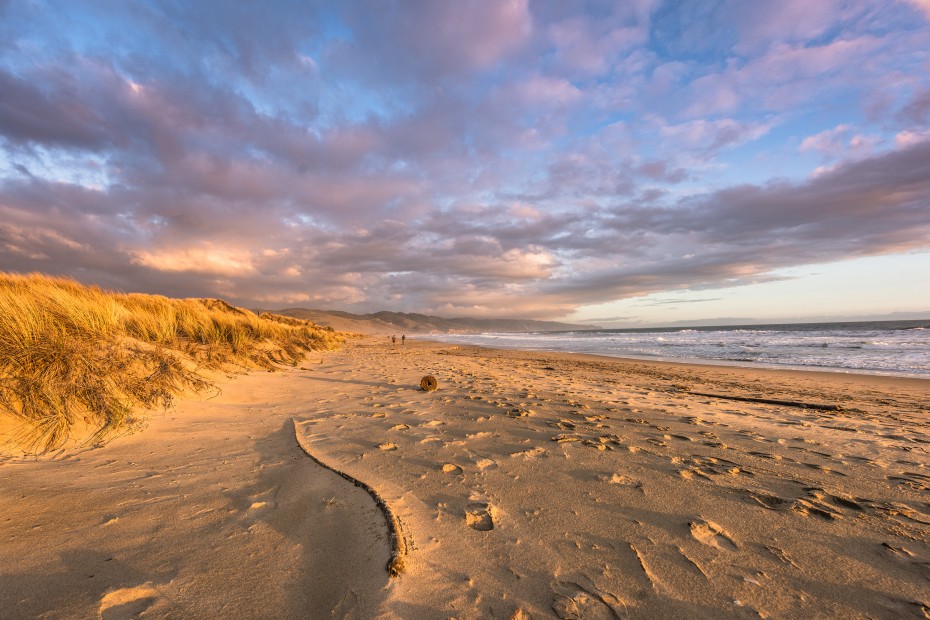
(527, 485)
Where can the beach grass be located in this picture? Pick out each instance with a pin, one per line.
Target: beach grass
(74, 355)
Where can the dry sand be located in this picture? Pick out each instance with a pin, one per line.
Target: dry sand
(530, 484)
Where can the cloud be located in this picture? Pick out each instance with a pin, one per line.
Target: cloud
(869, 207)
(828, 141)
(472, 157)
(839, 144)
(921, 5)
(483, 257)
(917, 110)
(661, 171)
(673, 302)
(906, 138)
(204, 260)
(443, 38)
(57, 117)
(606, 319)
(548, 91)
(594, 46)
(31, 242)
(713, 135)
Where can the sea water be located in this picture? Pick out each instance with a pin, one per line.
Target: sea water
(900, 348)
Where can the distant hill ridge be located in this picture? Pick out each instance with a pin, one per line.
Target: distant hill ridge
(382, 322)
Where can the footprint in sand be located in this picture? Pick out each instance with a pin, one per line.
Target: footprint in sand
(898, 552)
(908, 559)
(127, 602)
(695, 421)
(806, 507)
(624, 481)
(450, 468)
(914, 480)
(781, 555)
(387, 446)
(484, 464)
(480, 516)
(531, 453)
(574, 602)
(712, 535)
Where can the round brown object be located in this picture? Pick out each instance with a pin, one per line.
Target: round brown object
(428, 383)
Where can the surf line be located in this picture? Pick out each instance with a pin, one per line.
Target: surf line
(395, 565)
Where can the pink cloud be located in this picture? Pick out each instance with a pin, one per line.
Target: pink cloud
(714, 134)
(544, 91)
(207, 259)
(785, 76)
(787, 21)
(921, 5)
(827, 141)
(512, 155)
(904, 139)
(443, 37)
(584, 46)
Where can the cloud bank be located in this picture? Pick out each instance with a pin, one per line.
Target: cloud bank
(478, 157)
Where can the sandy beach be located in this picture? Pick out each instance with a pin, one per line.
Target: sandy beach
(528, 485)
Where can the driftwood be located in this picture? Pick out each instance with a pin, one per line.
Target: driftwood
(395, 565)
(772, 401)
(428, 383)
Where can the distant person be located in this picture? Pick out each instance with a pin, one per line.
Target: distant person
(403, 339)
(394, 339)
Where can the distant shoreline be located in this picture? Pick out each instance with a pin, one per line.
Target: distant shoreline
(742, 344)
(682, 363)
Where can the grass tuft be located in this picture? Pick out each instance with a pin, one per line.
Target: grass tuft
(73, 354)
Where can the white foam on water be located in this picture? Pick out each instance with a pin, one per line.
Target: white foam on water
(890, 349)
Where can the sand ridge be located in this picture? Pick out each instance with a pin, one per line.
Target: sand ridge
(395, 565)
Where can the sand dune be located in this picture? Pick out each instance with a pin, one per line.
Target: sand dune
(528, 485)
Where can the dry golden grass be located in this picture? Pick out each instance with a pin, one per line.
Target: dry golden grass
(73, 354)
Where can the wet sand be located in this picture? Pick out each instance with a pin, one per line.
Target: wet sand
(535, 484)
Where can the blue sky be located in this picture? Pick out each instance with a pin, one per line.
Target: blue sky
(655, 161)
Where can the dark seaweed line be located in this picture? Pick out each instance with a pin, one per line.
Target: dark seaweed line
(395, 565)
(772, 401)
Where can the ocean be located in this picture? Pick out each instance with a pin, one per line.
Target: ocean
(898, 348)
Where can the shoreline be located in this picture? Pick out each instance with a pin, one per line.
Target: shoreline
(535, 483)
(733, 362)
(685, 363)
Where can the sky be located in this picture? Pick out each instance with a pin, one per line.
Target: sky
(618, 163)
